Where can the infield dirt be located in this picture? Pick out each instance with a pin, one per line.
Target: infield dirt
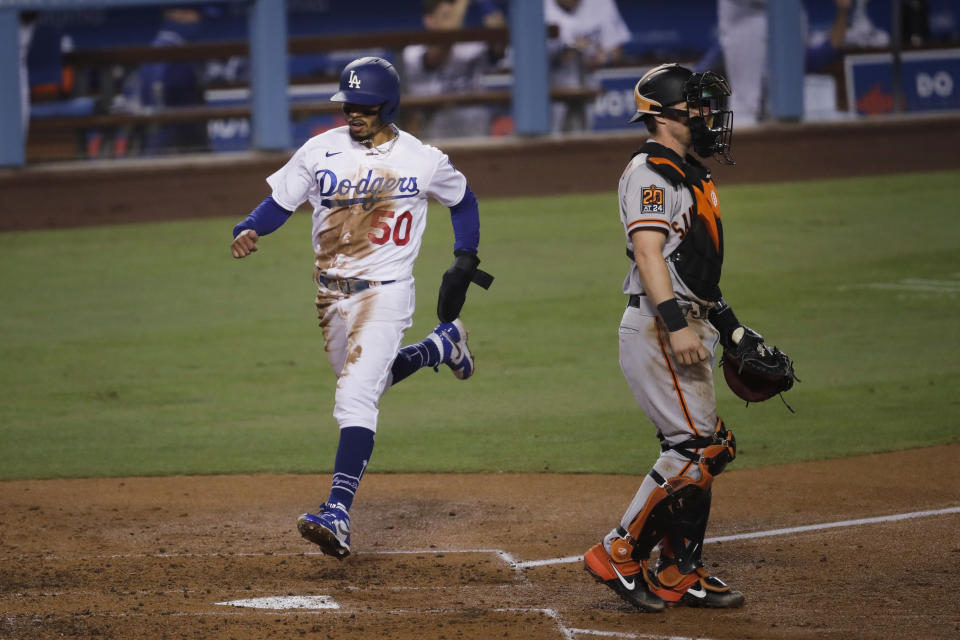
(154, 557)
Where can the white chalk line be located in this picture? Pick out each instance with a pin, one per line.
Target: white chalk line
(774, 532)
(918, 285)
(268, 612)
(505, 556)
(518, 565)
(450, 587)
(550, 613)
(570, 633)
(834, 525)
(630, 636)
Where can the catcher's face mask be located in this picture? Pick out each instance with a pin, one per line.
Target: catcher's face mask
(708, 95)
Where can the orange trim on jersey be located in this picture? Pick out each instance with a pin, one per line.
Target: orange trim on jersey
(676, 380)
(656, 160)
(707, 210)
(648, 221)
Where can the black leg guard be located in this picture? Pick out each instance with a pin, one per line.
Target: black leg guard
(683, 546)
(676, 512)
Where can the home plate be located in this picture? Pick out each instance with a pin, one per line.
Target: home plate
(285, 602)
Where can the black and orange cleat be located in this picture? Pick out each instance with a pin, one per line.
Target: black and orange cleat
(698, 589)
(625, 578)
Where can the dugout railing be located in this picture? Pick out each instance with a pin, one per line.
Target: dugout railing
(47, 132)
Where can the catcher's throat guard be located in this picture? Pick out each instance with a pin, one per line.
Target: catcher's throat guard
(712, 130)
(675, 513)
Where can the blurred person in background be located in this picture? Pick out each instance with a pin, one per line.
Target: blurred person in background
(742, 26)
(861, 32)
(826, 46)
(27, 22)
(175, 84)
(592, 34)
(436, 70)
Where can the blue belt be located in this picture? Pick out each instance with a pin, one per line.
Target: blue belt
(349, 285)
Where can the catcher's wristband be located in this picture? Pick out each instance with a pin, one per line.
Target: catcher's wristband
(671, 314)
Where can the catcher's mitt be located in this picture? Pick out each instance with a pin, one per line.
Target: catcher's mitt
(754, 371)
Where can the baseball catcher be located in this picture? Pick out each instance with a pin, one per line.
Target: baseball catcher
(674, 320)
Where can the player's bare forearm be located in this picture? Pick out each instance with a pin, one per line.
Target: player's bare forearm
(648, 252)
(244, 244)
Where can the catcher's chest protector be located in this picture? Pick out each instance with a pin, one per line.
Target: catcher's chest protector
(699, 258)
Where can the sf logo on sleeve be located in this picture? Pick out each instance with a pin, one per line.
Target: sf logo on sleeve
(652, 199)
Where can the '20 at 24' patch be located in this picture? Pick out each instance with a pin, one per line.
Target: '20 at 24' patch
(652, 199)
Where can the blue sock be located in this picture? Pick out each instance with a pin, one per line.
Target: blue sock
(414, 357)
(353, 454)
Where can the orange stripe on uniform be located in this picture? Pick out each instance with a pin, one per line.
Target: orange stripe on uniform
(648, 221)
(676, 380)
(655, 160)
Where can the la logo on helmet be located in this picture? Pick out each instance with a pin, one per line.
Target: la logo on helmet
(354, 82)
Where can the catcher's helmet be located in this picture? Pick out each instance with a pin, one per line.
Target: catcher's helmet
(370, 81)
(660, 87)
(705, 92)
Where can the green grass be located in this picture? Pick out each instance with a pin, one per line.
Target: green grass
(146, 350)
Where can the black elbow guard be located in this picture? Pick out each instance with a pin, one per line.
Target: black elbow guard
(456, 279)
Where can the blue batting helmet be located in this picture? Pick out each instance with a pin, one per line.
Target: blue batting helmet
(370, 81)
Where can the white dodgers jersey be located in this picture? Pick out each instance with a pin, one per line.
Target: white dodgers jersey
(369, 205)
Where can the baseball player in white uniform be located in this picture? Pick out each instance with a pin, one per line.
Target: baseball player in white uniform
(674, 319)
(368, 183)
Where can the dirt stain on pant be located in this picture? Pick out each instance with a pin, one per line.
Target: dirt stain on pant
(324, 301)
(355, 327)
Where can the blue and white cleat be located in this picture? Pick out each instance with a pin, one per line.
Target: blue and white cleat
(460, 360)
(329, 529)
